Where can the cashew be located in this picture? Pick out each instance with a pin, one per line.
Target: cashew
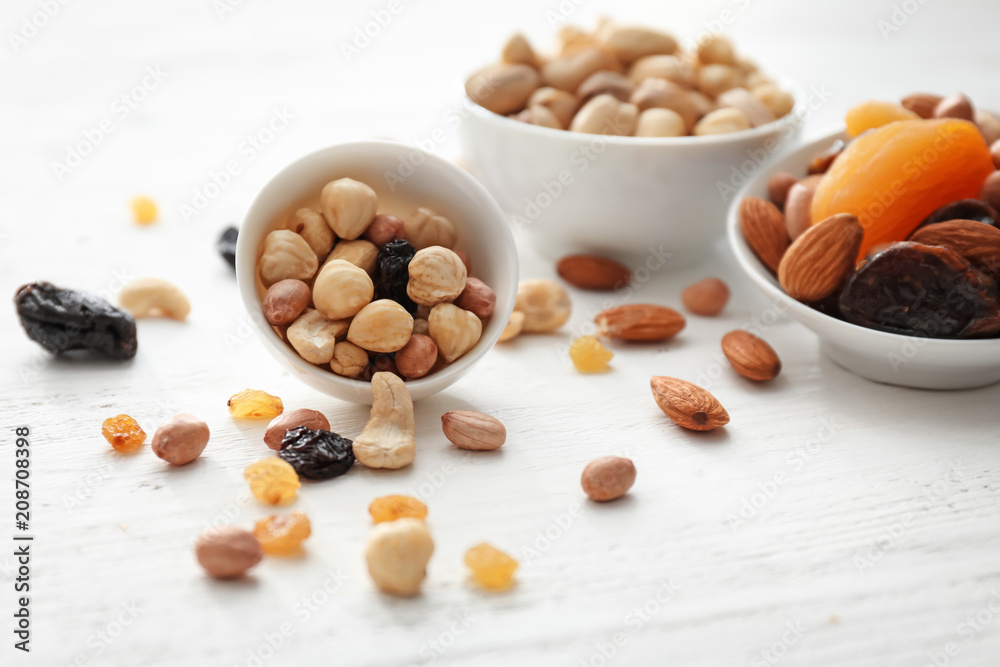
(313, 336)
(540, 116)
(397, 554)
(716, 49)
(629, 43)
(562, 104)
(424, 228)
(569, 71)
(153, 297)
(604, 82)
(670, 68)
(286, 255)
(312, 227)
(348, 206)
(517, 51)
(388, 440)
(502, 88)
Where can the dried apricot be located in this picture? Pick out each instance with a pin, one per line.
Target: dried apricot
(255, 404)
(123, 433)
(390, 508)
(894, 176)
(875, 113)
(588, 355)
(282, 535)
(491, 568)
(272, 480)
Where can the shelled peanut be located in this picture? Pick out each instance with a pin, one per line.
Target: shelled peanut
(629, 81)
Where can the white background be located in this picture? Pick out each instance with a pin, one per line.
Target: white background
(873, 516)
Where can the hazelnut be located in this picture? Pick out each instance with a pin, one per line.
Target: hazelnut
(348, 206)
(359, 252)
(477, 297)
(341, 289)
(455, 331)
(436, 275)
(312, 227)
(381, 326)
(424, 228)
(286, 255)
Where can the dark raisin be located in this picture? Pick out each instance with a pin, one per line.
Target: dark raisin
(61, 320)
(317, 454)
(964, 209)
(920, 290)
(379, 363)
(392, 273)
(821, 162)
(226, 245)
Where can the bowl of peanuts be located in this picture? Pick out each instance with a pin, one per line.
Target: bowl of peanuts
(621, 142)
(348, 269)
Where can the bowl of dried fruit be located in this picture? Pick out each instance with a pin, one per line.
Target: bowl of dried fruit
(621, 142)
(346, 270)
(883, 240)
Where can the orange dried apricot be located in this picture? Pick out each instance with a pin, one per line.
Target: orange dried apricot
(894, 176)
(875, 113)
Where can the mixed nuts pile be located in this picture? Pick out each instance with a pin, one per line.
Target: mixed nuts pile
(629, 81)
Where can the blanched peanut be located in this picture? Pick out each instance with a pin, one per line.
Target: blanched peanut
(285, 300)
(154, 297)
(181, 439)
(545, 304)
(349, 360)
(561, 103)
(381, 326)
(397, 554)
(286, 255)
(228, 552)
(502, 88)
(436, 274)
(313, 336)
(312, 227)
(424, 228)
(341, 290)
(359, 252)
(478, 298)
(348, 206)
(455, 331)
(656, 122)
(384, 228)
(722, 121)
(417, 357)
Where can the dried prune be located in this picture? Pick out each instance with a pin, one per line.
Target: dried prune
(226, 245)
(392, 273)
(964, 209)
(920, 290)
(317, 454)
(61, 320)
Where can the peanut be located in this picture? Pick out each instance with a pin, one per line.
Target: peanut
(608, 478)
(285, 300)
(181, 439)
(228, 552)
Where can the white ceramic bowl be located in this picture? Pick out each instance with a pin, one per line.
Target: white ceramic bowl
(621, 196)
(483, 233)
(924, 363)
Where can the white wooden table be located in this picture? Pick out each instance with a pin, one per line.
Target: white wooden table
(834, 522)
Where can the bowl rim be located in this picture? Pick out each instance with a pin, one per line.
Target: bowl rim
(793, 117)
(246, 271)
(764, 280)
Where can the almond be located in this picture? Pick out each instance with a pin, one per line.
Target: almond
(977, 241)
(706, 298)
(751, 356)
(921, 104)
(593, 272)
(687, 404)
(764, 230)
(640, 322)
(955, 106)
(469, 429)
(818, 262)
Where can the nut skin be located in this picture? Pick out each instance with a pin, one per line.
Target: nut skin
(384, 228)
(922, 104)
(955, 106)
(819, 261)
(502, 88)
(687, 404)
(778, 186)
(348, 360)
(608, 478)
(545, 303)
(473, 430)
(593, 272)
(381, 326)
(424, 228)
(977, 242)
(478, 298)
(397, 554)
(312, 227)
(342, 289)
(181, 439)
(436, 275)
(751, 356)
(228, 552)
(359, 252)
(417, 357)
(706, 297)
(313, 336)
(286, 255)
(312, 419)
(154, 297)
(388, 440)
(348, 207)
(513, 329)
(455, 331)
(285, 300)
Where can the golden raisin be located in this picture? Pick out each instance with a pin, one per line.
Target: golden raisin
(894, 176)
(144, 210)
(272, 480)
(875, 113)
(282, 535)
(588, 355)
(255, 404)
(390, 508)
(491, 568)
(123, 433)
